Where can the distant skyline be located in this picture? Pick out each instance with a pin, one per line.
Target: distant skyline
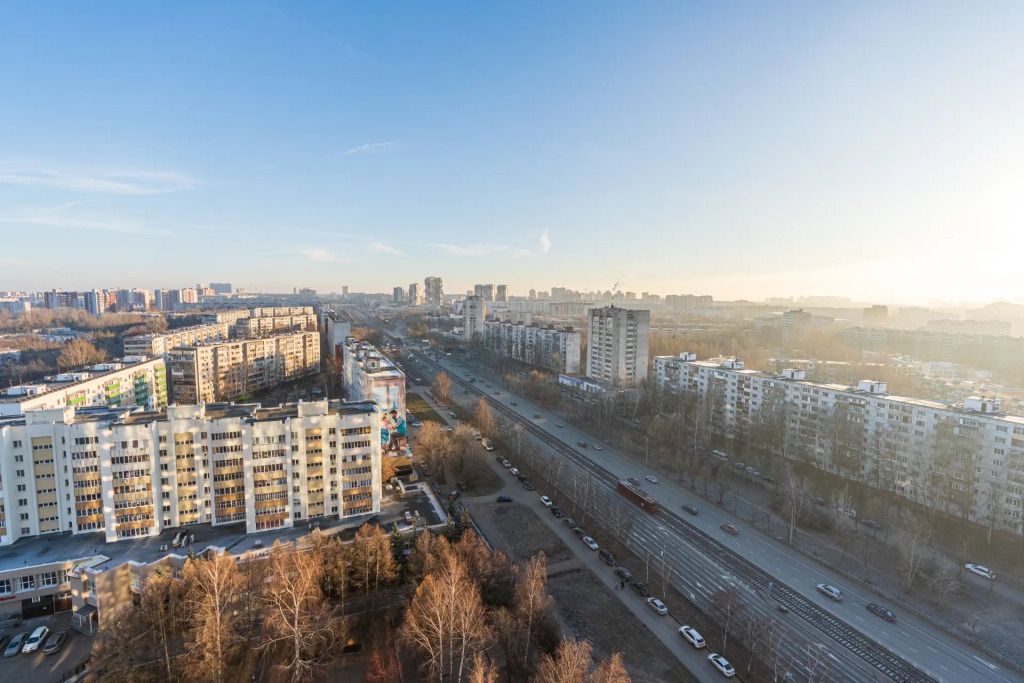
(741, 150)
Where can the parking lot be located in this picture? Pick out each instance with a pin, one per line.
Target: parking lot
(41, 668)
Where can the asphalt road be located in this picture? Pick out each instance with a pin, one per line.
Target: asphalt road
(933, 652)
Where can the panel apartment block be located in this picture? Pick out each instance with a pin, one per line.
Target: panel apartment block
(546, 347)
(617, 345)
(160, 344)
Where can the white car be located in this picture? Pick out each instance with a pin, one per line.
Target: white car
(598, 448)
(547, 501)
(693, 636)
(513, 471)
(722, 664)
(830, 591)
(657, 605)
(651, 478)
(591, 543)
(980, 571)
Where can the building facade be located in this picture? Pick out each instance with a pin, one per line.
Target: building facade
(433, 291)
(965, 460)
(617, 345)
(160, 344)
(129, 474)
(369, 376)
(228, 370)
(474, 311)
(415, 294)
(248, 328)
(546, 347)
(131, 382)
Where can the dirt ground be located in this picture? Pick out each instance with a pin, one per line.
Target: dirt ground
(585, 606)
(524, 535)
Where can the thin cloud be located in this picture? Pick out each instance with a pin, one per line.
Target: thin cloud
(97, 181)
(51, 219)
(370, 148)
(521, 252)
(322, 255)
(387, 249)
(473, 250)
(545, 242)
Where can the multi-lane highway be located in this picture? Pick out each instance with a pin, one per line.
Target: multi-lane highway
(853, 644)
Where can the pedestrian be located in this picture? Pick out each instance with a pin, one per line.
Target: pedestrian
(616, 585)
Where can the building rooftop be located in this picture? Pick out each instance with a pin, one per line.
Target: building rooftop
(52, 385)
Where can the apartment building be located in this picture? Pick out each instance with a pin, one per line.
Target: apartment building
(130, 382)
(501, 293)
(546, 347)
(161, 343)
(369, 376)
(227, 370)
(617, 345)
(474, 311)
(965, 460)
(433, 289)
(128, 474)
(415, 294)
(248, 328)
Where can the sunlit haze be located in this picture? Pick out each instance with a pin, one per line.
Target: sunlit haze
(868, 150)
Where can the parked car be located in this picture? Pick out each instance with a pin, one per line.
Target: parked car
(753, 472)
(641, 589)
(768, 478)
(590, 543)
(608, 558)
(738, 465)
(830, 591)
(818, 500)
(624, 574)
(546, 501)
(569, 522)
(36, 640)
(557, 512)
(580, 533)
(454, 495)
(657, 605)
(693, 636)
(54, 642)
(651, 478)
(880, 611)
(980, 570)
(513, 471)
(3, 641)
(689, 508)
(462, 485)
(14, 647)
(731, 529)
(722, 664)
(528, 485)
(504, 499)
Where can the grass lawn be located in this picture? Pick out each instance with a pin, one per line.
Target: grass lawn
(421, 409)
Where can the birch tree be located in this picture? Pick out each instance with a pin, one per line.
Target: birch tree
(213, 588)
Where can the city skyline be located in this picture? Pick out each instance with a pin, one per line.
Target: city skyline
(868, 151)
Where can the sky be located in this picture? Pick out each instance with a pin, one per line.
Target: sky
(746, 150)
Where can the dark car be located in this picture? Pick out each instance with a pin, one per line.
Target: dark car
(608, 558)
(54, 642)
(569, 522)
(536, 416)
(580, 533)
(880, 611)
(689, 508)
(513, 403)
(528, 486)
(462, 485)
(634, 481)
(624, 574)
(641, 589)
(581, 444)
(557, 512)
(454, 495)
(521, 477)
(504, 499)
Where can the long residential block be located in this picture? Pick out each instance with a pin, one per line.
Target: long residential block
(546, 347)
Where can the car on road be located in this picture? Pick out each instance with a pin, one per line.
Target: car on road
(634, 481)
(731, 529)
(506, 463)
(753, 472)
(693, 636)
(462, 485)
(513, 471)
(722, 664)
(557, 512)
(547, 501)
(590, 543)
(980, 570)
(569, 522)
(641, 589)
(488, 386)
(513, 403)
(830, 591)
(657, 605)
(559, 425)
(651, 478)
(689, 508)
(452, 413)
(14, 647)
(504, 499)
(598, 448)
(624, 574)
(54, 642)
(536, 416)
(880, 611)
(581, 444)
(580, 533)
(608, 558)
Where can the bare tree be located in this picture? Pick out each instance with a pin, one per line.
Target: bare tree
(944, 580)
(797, 493)
(619, 524)
(570, 664)
(484, 420)
(161, 612)
(483, 671)
(79, 352)
(610, 671)
(442, 387)
(840, 502)
(372, 561)
(532, 603)
(213, 588)
(913, 539)
(298, 622)
(382, 669)
(726, 606)
(446, 622)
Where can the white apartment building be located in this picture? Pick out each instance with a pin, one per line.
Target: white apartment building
(161, 344)
(131, 382)
(369, 376)
(415, 294)
(617, 345)
(474, 310)
(227, 370)
(129, 474)
(248, 328)
(546, 347)
(966, 460)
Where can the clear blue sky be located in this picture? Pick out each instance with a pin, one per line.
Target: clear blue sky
(873, 150)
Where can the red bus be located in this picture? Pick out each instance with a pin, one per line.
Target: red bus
(638, 496)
